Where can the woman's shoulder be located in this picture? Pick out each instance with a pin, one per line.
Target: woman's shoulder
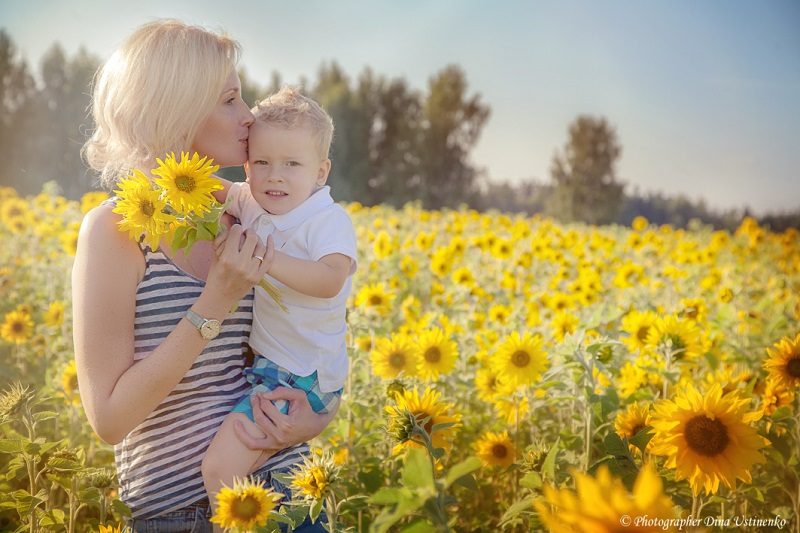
(100, 233)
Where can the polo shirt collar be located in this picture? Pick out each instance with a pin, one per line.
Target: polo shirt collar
(313, 205)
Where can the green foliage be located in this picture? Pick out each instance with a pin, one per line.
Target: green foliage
(586, 187)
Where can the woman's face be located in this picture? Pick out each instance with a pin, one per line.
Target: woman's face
(223, 136)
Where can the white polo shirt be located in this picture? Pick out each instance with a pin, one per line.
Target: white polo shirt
(311, 336)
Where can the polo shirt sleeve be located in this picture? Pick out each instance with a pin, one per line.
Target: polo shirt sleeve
(333, 233)
(243, 206)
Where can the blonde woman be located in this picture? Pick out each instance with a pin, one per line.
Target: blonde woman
(158, 350)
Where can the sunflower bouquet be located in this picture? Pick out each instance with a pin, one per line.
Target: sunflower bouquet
(177, 206)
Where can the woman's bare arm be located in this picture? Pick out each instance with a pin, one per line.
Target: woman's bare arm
(118, 393)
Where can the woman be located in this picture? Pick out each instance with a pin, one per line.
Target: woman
(155, 379)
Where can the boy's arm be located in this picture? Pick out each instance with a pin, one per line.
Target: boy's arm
(322, 279)
(222, 195)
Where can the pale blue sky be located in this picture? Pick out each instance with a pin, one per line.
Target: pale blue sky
(704, 95)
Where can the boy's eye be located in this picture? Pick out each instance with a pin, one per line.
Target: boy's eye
(293, 163)
(260, 162)
(230, 100)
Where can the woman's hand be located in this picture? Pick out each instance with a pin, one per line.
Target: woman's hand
(299, 425)
(240, 261)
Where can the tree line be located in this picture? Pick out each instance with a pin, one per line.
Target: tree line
(393, 144)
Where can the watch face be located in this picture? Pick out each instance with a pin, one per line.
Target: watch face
(210, 329)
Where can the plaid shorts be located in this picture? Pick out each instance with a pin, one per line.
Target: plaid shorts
(265, 376)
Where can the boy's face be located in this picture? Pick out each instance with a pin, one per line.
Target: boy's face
(284, 167)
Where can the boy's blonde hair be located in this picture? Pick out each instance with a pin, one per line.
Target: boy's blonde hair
(289, 108)
(154, 94)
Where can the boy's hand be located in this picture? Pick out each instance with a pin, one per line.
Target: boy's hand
(269, 254)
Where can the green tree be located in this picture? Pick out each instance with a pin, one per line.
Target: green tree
(17, 91)
(64, 121)
(584, 179)
(394, 114)
(452, 123)
(349, 155)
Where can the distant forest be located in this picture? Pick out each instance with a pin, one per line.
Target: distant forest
(393, 144)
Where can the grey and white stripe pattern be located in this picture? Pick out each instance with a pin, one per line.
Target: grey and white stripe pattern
(158, 463)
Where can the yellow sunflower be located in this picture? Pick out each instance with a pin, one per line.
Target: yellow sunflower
(69, 384)
(496, 449)
(502, 249)
(436, 354)
(245, 506)
(375, 298)
(694, 309)
(520, 360)
(681, 337)
(17, 328)
(391, 356)
(54, 316)
(408, 266)
(92, 199)
(15, 213)
(637, 324)
(188, 184)
(314, 478)
(707, 438)
(442, 262)
(512, 410)
(142, 209)
(563, 323)
(384, 245)
(427, 411)
(110, 529)
(774, 397)
(490, 385)
(603, 504)
(464, 276)
(499, 313)
(639, 223)
(629, 423)
(784, 362)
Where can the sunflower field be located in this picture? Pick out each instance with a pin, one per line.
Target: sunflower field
(508, 373)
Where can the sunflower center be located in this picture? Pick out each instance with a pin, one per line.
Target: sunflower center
(499, 451)
(636, 429)
(147, 208)
(397, 359)
(793, 367)
(642, 332)
(14, 212)
(17, 327)
(246, 509)
(705, 436)
(520, 358)
(184, 183)
(375, 299)
(433, 354)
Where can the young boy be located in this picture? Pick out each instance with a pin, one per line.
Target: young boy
(315, 257)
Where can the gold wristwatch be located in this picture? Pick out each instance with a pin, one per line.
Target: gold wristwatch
(208, 328)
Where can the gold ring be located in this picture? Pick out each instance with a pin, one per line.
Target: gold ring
(260, 258)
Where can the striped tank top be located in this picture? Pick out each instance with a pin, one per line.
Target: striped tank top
(158, 463)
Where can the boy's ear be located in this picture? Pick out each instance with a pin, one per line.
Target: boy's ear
(322, 175)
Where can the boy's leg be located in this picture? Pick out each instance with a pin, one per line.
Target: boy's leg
(227, 456)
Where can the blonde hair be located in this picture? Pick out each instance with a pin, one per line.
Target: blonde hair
(153, 95)
(289, 108)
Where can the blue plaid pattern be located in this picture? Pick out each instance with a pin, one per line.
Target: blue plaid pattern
(265, 376)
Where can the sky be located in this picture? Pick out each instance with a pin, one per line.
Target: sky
(704, 96)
